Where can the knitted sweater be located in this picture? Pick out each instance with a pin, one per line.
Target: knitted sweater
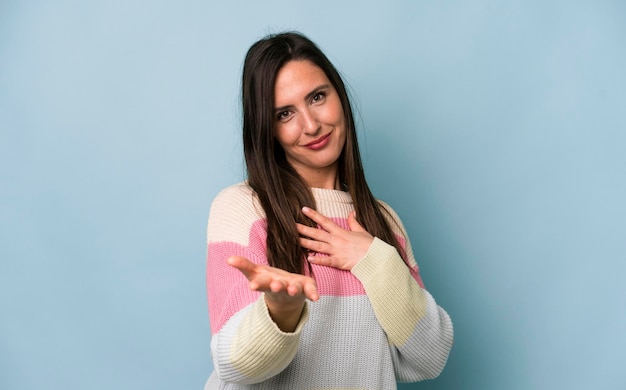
(373, 326)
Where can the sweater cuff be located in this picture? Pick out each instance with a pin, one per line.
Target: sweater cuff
(398, 301)
(374, 260)
(275, 329)
(260, 349)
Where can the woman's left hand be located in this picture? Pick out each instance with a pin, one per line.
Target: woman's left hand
(344, 247)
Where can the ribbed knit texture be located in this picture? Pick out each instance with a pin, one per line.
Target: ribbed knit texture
(371, 327)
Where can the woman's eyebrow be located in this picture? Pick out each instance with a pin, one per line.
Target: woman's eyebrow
(315, 90)
(307, 97)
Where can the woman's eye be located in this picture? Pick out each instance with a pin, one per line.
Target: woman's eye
(282, 115)
(318, 96)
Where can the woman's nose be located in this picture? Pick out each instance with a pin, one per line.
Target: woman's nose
(310, 124)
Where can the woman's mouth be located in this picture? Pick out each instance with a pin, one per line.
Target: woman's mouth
(319, 143)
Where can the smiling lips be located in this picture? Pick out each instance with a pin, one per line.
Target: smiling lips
(319, 143)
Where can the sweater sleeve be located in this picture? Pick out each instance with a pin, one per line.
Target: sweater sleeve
(246, 345)
(420, 332)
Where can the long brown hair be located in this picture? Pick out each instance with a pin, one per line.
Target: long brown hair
(281, 191)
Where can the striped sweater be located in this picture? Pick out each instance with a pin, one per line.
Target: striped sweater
(373, 326)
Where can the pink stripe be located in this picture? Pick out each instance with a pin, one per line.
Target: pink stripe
(227, 288)
(336, 282)
(343, 222)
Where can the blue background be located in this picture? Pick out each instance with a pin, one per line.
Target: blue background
(495, 128)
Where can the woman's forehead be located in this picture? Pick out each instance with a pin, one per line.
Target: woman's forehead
(296, 79)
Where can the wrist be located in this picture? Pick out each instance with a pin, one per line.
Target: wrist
(285, 315)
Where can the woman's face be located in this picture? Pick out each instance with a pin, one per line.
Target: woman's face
(309, 122)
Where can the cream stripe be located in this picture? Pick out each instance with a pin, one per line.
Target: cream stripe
(233, 212)
(398, 228)
(397, 299)
(260, 349)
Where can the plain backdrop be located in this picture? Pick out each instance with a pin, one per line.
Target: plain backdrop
(495, 128)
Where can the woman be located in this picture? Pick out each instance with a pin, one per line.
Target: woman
(311, 281)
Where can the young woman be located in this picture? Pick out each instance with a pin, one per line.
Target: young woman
(311, 281)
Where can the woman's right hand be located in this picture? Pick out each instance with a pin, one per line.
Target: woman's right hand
(285, 292)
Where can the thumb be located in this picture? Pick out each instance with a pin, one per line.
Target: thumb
(244, 265)
(353, 224)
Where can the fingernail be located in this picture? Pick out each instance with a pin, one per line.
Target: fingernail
(306, 209)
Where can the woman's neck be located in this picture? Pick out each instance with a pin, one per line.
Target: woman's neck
(322, 178)
(329, 183)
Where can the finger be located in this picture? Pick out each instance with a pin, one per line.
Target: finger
(278, 285)
(260, 282)
(325, 222)
(248, 268)
(353, 224)
(314, 233)
(310, 290)
(294, 289)
(315, 246)
(320, 260)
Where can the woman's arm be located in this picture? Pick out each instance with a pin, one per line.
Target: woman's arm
(253, 339)
(419, 331)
